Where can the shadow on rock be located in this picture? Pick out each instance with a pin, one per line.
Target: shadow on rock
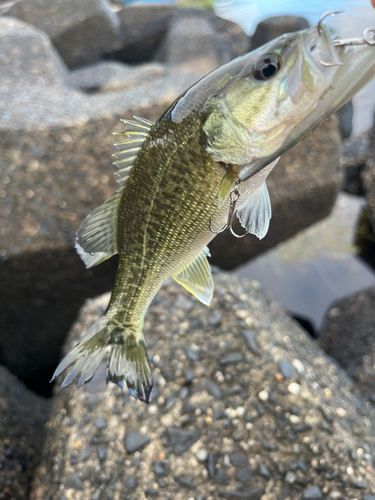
(41, 294)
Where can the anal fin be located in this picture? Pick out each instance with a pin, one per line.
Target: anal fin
(196, 277)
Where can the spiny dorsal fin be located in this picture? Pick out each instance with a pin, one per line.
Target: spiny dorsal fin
(128, 149)
(196, 277)
(96, 239)
(256, 214)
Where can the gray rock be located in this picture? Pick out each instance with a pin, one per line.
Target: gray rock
(135, 441)
(239, 460)
(368, 176)
(230, 359)
(287, 369)
(302, 187)
(345, 119)
(22, 419)
(142, 28)
(189, 38)
(348, 336)
(251, 340)
(181, 440)
(255, 494)
(81, 31)
(213, 389)
(326, 395)
(274, 27)
(74, 482)
(185, 483)
(196, 34)
(353, 159)
(108, 76)
(101, 450)
(27, 56)
(312, 492)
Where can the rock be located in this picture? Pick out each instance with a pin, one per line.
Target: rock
(142, 28)
(368, 176)
(348, 336)
(181, 440)
(213, 389)
(251, 340)
(353, 158)
(135, 441)
(27, 56)
(22, 419)
(239, 460)
(345, 119)
(196, 34)
(287, 369)
(81, 31)
(187, 39)
(302, 187)
(107, 76)
(312, 492)
(231, 358)
(266, 436)
(55, 152)
(185, 483)
(276, 26)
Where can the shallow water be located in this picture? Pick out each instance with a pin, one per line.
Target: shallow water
(308, 272)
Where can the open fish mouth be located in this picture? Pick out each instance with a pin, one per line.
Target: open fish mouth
(354, 60)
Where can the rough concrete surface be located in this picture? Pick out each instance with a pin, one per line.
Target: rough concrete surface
(348, 335)
(246, 406)
(81, 31)
(22, 419)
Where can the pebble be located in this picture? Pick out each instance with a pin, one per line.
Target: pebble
(84, 454)
(312, 492)
(250, 495)
(101, 451)
(221, 477)
(74, 481)
(158, 469)
(135, 441)
(251, 341)
(101, 423)
(213, 389)
(290, 477)
(263, 395)
(337, 495)
(294, 388)
(244, 475)
(230, 359)
(181, 440)
(185, 483)
(215, 318)
(263, 471)
(201, 455)
(239, 460)
(191, 353)
(287, 369)
(212, 461)
(131, 482)
(359, 484)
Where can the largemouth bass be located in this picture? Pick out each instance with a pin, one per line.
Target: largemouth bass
(180, 176)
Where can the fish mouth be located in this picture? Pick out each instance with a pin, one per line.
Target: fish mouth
(354, 68)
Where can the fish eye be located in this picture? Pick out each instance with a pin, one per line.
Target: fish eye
(266, 67)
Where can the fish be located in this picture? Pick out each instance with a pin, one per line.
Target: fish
(205, 160)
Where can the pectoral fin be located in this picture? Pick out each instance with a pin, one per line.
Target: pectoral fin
(226, 185)
(256, 214)
(196, 277)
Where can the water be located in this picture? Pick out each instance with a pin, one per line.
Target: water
(308, 272)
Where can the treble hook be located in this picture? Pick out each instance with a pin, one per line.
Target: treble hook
(368, 37)
(234, 196)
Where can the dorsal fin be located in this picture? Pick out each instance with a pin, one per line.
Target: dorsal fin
(196, 277)
(96, 239)
(135, 133)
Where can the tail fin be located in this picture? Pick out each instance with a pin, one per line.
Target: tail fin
(127, 359)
